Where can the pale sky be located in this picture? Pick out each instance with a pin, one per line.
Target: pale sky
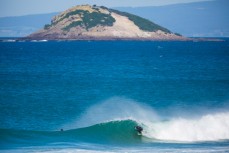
(26, 7)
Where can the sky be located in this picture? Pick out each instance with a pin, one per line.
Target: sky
(26, 7)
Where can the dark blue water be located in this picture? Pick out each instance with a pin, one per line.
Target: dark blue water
(98, 91)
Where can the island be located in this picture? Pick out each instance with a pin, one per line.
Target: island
(86, 22)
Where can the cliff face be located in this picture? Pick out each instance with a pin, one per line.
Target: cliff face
(87, 22)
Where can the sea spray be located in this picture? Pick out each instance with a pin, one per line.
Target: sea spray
(114, 109)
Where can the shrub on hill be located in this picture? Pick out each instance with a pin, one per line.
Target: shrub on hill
(47, 26)
(73, 24)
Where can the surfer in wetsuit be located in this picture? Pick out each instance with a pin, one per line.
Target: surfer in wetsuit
(139, 129)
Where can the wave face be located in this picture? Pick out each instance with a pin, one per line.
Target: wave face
(108, 132)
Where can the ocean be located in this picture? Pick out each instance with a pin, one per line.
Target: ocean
(98, 91)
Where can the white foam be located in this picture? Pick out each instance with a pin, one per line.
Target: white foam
(210, 127)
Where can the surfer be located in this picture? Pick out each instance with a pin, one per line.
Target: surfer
(139, 129)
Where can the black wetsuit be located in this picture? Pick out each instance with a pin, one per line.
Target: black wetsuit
(139, 129)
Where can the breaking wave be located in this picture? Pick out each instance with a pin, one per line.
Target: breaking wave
(113, 121)
(205, 127)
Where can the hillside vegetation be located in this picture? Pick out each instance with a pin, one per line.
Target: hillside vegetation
(88, 19)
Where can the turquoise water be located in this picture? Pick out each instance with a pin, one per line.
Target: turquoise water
(98, 91)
